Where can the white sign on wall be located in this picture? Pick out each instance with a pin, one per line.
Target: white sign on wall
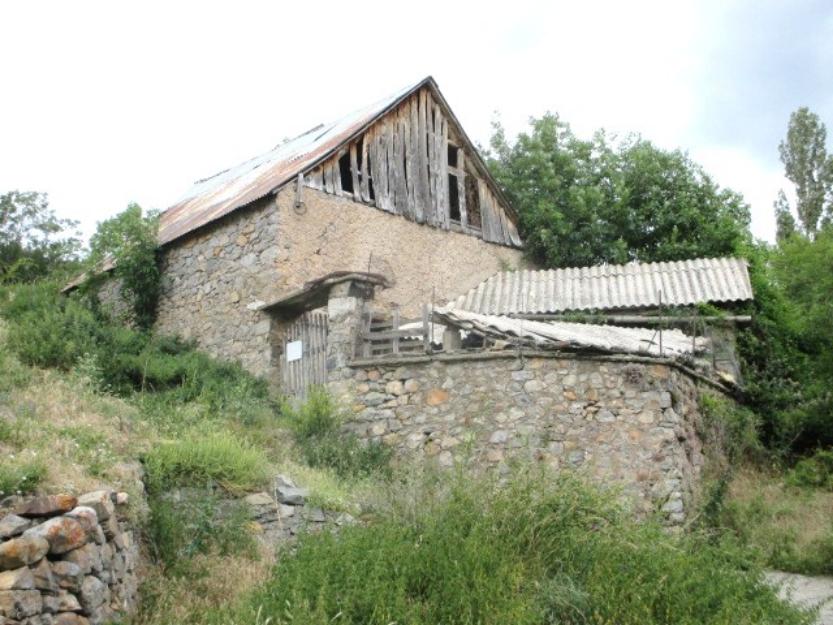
(294, 350)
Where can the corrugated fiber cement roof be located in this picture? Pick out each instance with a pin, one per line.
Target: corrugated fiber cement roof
(608, 287)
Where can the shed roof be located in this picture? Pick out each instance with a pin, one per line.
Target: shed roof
(228, 190)
(610, 287)
(566, 335)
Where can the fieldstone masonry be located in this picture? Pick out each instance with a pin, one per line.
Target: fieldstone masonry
(629, 424)
(66, 560)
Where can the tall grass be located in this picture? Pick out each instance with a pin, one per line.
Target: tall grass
(200, 458)
(536, 550)
(316, 426)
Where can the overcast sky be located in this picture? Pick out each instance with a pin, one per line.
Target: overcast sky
(104, 103)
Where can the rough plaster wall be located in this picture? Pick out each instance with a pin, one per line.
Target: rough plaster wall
(627, 424)
(334, 234)
(212, 280)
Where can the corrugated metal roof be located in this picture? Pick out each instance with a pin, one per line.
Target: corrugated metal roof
(233, 188)
(605, 287)
(560, 334)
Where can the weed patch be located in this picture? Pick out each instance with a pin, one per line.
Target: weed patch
(316, 425)
(540, 549)
(199, 458)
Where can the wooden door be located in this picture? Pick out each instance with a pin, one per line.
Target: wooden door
(304, 358)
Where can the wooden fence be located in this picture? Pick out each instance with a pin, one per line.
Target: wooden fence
(389, 334)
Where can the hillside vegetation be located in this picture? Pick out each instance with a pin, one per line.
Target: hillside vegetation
(86, 400)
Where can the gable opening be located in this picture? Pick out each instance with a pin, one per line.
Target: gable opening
(453, 199)
(346, 173)
(473, 203)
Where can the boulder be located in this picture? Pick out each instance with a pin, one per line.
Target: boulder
(101, 502)
(46, 506)
(86, 516)
(69, 618)
(68, 575)
(18, 579)
(67, 602)
(88, 558)
(22, 551)
(44, 580)
(291, 496)
(94, 593)
(62, 533)
(18, 604)
(259, 499)
(13, 525)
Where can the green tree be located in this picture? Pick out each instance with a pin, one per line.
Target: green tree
(808, 166)
(583, 202)
(785, 225)
(33, 240)
(128, 241)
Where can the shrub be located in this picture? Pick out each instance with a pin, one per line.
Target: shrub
(20, 476)
(537, 550)
(316, 426)
(46, 329)
(814, 472)
(201, 458)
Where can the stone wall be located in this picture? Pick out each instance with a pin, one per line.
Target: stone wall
(66, 560)
(212, 282)
(629, 424)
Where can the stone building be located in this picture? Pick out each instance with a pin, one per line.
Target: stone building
(377, 256)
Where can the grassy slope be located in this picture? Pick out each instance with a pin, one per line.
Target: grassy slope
(788, 527)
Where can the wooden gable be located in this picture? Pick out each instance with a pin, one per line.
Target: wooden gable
(415, 161)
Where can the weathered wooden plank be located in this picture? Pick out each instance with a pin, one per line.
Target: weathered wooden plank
(328, 177)
(411, 157)
(337, 174)
(375, 165)
(315, 179)
(445, 205)
(396, 164)
(423, 198)
(354, 172)
(401, 145)
(461, 189)
(486, 215)
(390, 132)
(365, 169)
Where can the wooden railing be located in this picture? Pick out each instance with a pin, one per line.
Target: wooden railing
(387, 334)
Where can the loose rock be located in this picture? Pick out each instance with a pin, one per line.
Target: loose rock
(62, 533)
(47, 505)
(13, 525)
(22, 551)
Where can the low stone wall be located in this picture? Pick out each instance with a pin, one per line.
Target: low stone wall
(631, 424)
(66, 560)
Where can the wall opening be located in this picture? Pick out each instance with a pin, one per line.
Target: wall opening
(346, 173)
(473, 203)
(452, 155)
(453, 199)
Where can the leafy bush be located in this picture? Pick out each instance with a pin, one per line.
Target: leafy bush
(46, 329)
(538, 550)
(18, 476)
(201, 458)
(316, 426)
(196, 524)
(129, 241)
(814, 472)
(730, 428)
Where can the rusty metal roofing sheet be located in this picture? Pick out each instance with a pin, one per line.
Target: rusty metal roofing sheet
(233, 188)
(565, 335)
(606, 287)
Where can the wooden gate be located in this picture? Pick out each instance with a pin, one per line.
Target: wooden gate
(304, 359)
